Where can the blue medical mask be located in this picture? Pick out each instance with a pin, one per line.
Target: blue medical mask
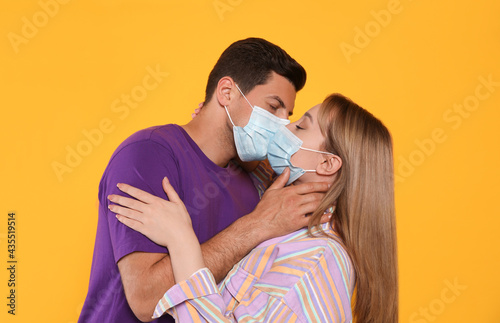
(252, 140)
(281, 148)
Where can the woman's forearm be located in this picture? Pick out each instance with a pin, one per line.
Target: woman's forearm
(185, 254)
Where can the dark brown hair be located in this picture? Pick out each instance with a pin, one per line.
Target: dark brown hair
(364, 215)
(249, 62)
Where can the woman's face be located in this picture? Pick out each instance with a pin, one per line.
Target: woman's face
(307, 129)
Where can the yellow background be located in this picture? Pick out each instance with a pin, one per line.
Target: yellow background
(63, 79)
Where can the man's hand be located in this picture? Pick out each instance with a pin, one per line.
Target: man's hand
(283, 210)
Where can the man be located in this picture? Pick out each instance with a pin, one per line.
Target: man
(129, 272)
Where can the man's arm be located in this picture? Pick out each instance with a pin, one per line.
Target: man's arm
(147, 276)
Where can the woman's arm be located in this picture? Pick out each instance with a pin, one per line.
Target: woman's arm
(317, 288)
(198, 300)
(166, 223)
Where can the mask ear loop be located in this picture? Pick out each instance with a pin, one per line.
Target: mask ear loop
(243, 95)
(315, 151)
(245, 99)
(229, 116)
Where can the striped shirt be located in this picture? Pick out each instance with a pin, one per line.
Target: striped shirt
(294, 278)
(262, 177)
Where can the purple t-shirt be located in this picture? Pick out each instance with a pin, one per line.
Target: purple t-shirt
(214, 196)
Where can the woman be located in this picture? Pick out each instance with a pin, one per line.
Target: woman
(311, 274)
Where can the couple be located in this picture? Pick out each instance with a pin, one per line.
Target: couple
(187, 191)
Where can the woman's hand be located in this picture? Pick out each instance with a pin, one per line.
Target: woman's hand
(164, 222)
(197, 111)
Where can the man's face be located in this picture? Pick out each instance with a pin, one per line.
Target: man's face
(276, 96)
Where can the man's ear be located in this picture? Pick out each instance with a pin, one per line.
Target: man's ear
(224, 89)
(330, 166)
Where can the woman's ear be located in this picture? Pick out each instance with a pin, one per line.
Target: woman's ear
(329, 166)
(223, 91)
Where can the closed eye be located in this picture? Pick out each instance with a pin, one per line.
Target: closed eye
(299, 127)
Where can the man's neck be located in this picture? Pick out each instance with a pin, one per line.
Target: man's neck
(210, 132)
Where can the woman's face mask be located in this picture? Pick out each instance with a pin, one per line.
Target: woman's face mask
(285, 144)
(281, 148)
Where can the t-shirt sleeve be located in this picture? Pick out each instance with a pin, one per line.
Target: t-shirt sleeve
(141, 164)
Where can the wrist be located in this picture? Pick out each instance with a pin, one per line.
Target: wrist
(255, 230)
(181, 240)
(179, 236)
(186, 257)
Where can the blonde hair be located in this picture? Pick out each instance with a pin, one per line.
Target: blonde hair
(364, 215)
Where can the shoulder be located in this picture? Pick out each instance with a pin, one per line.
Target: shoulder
(309, 273)
(158, 136)
(156, 145)
(299, 255)
(334, 256)
(317, 249)
(144, 157)
(338, 250)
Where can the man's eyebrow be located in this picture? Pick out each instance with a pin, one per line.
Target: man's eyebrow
(281, 103)
(277, 98)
